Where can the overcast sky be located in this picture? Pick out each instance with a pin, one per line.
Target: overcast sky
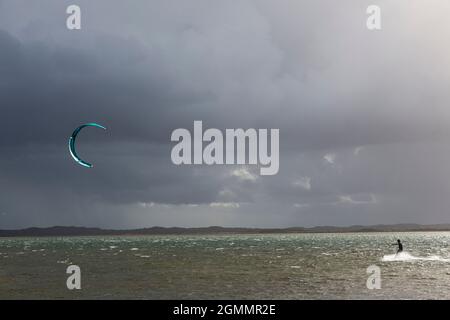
(364, 116)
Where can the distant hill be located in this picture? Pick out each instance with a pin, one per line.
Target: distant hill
(83, 231)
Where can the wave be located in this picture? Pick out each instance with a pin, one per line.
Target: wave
(405, 256)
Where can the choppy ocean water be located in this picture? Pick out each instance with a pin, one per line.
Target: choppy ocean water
(272, 266)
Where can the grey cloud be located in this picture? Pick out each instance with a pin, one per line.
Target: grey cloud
(145, 68)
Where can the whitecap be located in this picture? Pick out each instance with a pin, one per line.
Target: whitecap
(405, 256)
(63, 261)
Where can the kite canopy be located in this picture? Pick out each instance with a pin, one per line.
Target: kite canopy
(72, 139)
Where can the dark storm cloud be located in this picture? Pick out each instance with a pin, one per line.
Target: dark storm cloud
(50, 90)
(145, 68)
